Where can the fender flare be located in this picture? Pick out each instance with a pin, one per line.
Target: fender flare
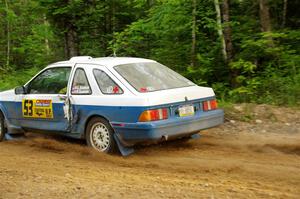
(3, 111)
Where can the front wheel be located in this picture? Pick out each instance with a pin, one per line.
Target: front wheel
(2, 127)
(99, 135)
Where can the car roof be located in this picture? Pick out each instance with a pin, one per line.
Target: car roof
(106, 61)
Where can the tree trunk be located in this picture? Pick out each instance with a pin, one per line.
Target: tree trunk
(71, 41)
(108, 28)
(66, 49)
(227, 30)
(219, 27)
(264, 16)
(193, 54)
(228, 42)
(285, 2)
(7, 35)
(114, 26)
(46, 24)
(265, 20)
(113, 18)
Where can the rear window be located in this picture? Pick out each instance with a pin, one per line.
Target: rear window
(148, 77)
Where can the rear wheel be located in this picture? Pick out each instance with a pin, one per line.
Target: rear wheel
(99, 135)
(2, 127)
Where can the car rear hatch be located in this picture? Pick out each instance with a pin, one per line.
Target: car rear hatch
(180, 102)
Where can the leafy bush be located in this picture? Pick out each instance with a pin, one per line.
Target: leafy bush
(12, 79)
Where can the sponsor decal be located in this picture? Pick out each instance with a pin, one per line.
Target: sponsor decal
(81, 90)
(32, 108)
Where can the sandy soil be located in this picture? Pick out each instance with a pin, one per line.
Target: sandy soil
(250, 156)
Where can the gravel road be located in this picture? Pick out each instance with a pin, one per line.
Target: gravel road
(259, 158)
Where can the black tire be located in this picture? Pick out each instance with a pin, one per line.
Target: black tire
(2, 127)
(99, 135)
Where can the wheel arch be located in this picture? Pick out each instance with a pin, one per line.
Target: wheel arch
(2, 112)
(90, 118)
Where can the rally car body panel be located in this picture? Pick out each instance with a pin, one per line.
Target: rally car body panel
(69, 114)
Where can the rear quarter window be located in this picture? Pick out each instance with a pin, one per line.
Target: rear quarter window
(106, 83)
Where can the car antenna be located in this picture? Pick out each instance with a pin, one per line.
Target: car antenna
(114, 54)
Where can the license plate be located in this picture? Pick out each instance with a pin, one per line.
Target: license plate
(187, 110)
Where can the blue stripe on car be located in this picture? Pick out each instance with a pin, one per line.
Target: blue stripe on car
(124, 120)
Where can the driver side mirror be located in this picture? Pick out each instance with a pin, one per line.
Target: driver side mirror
(20, 90)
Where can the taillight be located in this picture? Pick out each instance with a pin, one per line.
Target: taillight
(153, 115)
(213, 104)
(210, 105)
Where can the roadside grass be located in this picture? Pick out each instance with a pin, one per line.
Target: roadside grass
(258, 113)
(12, 79)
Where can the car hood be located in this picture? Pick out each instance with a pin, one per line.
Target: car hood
(7, 95)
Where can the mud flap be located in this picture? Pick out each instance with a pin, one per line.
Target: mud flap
(125, 151)
(195, 136)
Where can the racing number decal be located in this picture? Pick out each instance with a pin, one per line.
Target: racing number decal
(32, 108)
(27, 108)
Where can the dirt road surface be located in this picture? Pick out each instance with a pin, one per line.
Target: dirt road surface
(257, 158)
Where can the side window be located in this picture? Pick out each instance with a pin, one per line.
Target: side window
(51, 81)
(106, 84)
(80, 85)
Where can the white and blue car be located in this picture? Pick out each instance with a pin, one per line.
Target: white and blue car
(113, 103)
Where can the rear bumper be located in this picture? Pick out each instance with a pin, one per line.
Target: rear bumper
(130, 134)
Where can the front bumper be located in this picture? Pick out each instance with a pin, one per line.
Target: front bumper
(130, 134)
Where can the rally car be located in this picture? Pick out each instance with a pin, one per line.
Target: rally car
(112, 102)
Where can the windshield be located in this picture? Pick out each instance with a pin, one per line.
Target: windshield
(152, 76)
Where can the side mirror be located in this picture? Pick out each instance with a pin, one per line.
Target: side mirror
(20, 90)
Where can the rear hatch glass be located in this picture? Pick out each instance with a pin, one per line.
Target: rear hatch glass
(151, 76)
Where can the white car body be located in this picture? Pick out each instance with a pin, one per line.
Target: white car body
(71, 113)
